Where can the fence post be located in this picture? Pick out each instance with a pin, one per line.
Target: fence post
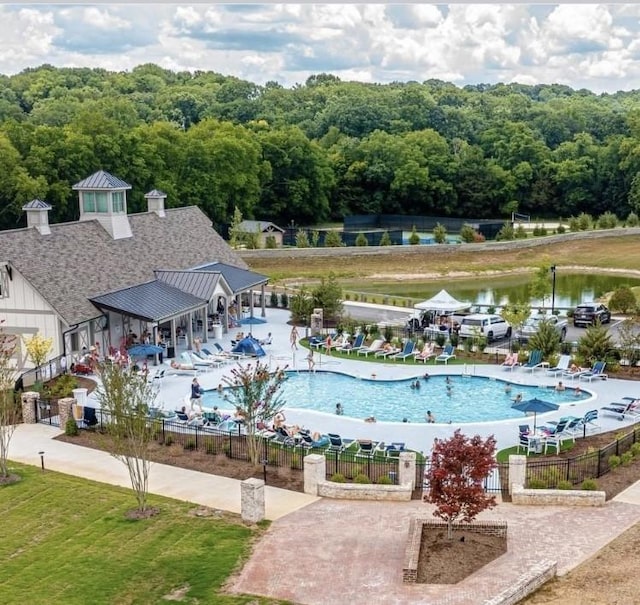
(315, 471)
(65, 410)
(29, 402)
(407, 469)
(517, 471)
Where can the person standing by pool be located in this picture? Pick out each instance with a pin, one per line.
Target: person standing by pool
(311, 361)
(431, 419)
(196, 394)
(293, 338)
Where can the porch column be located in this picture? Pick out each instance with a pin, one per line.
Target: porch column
(190, 343)
(205, 324)
(239, 307)
(173, 339)
(251, 301)
(264, 312)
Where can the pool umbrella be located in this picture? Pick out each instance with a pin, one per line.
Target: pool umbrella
(535, 405)
(144, 350)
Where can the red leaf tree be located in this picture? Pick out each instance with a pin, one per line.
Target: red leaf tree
(459, 466)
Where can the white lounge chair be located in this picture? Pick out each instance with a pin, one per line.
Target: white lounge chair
(375, 346)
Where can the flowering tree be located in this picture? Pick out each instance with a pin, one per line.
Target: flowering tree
(8, 407)
(254, 390)
(125, 396)
(38, 348)
(459, 465)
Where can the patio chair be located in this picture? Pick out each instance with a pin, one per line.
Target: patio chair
(428, 351)
(562, 366)
(597, 371)
(510, 361)
(357, 344)
(629, 408)
(316, 342)
(534, 362)
(366, 447)
(406, 352)
(393, 450)
(388, 350)
(446, 355)
(527, 443)
(588, 422)
(336, 443)
(200, 360)
(374, 347)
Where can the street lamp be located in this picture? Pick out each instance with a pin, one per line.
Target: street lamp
(292, 239)
(553, 288)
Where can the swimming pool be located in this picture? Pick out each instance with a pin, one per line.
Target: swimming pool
(461, 399)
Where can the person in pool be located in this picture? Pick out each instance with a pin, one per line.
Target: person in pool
(517, 398)
(430, 417)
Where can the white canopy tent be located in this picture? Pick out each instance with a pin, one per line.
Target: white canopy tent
(442, 302)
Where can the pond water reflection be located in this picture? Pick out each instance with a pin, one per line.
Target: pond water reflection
(571, 289)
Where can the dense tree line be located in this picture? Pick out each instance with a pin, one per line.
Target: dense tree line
(317, 151)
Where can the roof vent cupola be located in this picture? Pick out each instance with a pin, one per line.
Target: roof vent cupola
(155, 201)
(38, 216)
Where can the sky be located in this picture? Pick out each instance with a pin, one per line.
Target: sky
(592, 46)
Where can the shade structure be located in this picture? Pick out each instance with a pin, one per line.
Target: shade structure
(144, 350)
(442, 301)
(535, 406)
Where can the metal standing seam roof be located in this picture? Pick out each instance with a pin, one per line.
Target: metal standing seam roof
(198, 283)
(36, 205)
(154, 301)
(101, 180)
(238, 279)
(155, 193)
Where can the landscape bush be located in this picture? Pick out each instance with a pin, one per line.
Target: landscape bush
(71, 427)
(338, 478)
(590, 485)
(361, 478)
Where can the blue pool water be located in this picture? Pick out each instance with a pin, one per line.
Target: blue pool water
(469, 398)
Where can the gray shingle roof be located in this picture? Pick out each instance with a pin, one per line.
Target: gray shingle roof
(101, 180)
(197, 283)
(80, 260)
(238, 279)
(152, 301)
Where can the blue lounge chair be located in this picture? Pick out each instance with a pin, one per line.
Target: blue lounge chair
(534, 362)
(446, 354)
(406, 352)
(357, 344)
(597, 371)
(366, 448)
(336, 444)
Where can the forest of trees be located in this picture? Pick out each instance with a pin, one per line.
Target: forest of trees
(317, 151)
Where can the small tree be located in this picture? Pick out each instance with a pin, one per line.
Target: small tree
(629, 339)
(302, 239)
(506, 233)
(596, 344)
(252, 239)
(545, 339)
(632, 220)
(8, 407)
(328, 295)
(38, 348)
(414, 238)
(315, 238)
(440, 233)
(623, 299)
(236, 234)
(467, 233)
(125, 397)
(516, 314)
(459, 466)
(608, 220)
(385, 240)
(361, 240)
(254, 389)
(541, 285)
(301, 305)
(333, 239)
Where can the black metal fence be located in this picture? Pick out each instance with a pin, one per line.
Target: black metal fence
(496, 481)
(592, 465)
(47, 411)
(47, 371)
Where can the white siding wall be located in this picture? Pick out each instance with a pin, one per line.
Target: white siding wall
(25, 313)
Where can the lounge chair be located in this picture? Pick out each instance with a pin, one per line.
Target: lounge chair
(357, 344)
(629, 409)
(562, 366)
(388, 350)
(306, 440)
(375, 346)
(446, 355)
(393, 450)
(510, 361)
(336, 443)
(222, 359)
(366, 447)
(428, 351)
(597, 371)
(316, 342)
(534, 362)
(588, 422)
(406, 352)
(200, 360)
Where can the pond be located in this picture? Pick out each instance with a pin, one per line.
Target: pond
(571, 288)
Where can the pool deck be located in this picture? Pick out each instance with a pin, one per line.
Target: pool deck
(173, 390)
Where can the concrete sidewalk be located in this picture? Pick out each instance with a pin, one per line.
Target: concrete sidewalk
(183, 484)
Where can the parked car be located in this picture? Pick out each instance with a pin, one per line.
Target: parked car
(532, 324)
(587, 314)
(492, 327)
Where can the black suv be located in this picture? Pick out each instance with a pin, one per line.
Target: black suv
(587, 314)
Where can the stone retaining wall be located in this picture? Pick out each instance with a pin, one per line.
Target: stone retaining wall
(560, 497)
(538, 574)
(412, 551)
(364, 491)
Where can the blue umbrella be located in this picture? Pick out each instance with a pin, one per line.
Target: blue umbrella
(144, 350)
(535, 405)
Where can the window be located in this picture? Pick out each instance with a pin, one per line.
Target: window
(102, 201)
(89, 201)
(117, 201)
(4, 282)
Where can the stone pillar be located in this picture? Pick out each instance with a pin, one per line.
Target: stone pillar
(315, 471)
(29, 401)
(252, 500)
(407, 469)
(517, 471)
(65, 410)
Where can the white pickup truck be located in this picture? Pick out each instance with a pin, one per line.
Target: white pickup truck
(530, 326)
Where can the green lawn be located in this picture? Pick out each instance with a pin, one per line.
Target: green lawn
(66, 540)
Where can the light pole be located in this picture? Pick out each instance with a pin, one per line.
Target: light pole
(553, 288)
(292, 238)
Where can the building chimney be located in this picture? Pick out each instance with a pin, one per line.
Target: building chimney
(38, 216)
(155, 201)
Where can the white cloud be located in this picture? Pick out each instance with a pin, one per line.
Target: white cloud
(592, 46)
